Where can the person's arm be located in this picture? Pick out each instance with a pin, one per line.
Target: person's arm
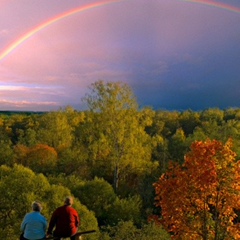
(52, 222)
(77, 219)
(45, 224)
(23, 224)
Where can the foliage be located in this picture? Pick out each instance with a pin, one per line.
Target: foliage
(127, 230)
(73, 161)
(177, 146)
(98, 195)
(154, 232)
(199, 199)
(112, 145)
(117, 135)
(72, 182)
(127, 209)
(19, 187)
(54, 130)
(40, 158)
(6, 153)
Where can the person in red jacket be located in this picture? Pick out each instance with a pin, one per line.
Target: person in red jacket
(65, 221)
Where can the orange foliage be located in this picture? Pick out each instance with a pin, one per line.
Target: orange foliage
(199, 199)
(40, 158)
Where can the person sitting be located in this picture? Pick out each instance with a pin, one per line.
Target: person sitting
(34, 224)
(65, 221)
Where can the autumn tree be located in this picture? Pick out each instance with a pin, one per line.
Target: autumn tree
(40, 158)
(199, 199)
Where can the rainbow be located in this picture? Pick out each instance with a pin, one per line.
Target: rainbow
(29, 34)
(213, 3)
(51, 21)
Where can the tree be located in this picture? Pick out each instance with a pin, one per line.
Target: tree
(19, 187)
(128, 231)
(41, 158)
(199, 199)
(117, 141)
(73, 161)
(97, 195)
(6, 153)
(54, 130)
(170, 121)
(189, 120)
(55, 197)
(177, 146)
(125, 209)
(212, 115)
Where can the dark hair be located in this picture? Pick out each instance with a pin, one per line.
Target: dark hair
(37, 207)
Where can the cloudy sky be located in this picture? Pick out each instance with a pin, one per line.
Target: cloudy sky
(174, 54)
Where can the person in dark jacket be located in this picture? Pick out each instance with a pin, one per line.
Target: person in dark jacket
(64, 221)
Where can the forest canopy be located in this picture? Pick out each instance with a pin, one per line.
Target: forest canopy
(109, 157)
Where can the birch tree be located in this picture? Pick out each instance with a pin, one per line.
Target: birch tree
(117, 140)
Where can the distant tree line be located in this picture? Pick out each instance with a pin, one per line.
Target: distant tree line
(109, 157)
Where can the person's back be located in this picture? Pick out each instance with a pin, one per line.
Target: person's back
(34, 224)
(65, 219)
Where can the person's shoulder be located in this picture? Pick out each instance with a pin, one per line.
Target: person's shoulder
(58, 208)
(27, 215)
(30, 213)
(74, 210)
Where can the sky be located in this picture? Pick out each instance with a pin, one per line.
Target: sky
(174, 54)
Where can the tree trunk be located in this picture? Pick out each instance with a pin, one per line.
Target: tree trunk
(115, 180)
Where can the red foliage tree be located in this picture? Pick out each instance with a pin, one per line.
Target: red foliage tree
(199, 199)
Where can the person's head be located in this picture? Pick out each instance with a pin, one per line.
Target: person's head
(68, 201)
(37, 207)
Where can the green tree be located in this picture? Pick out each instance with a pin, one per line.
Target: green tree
(6, 153)
(54, 130)
(117, 140)
(170, 122)
(160, 152)
(27, 137)
(125, 209)
(123, 230)
(212, 115)
(55, 198)
(98, 195)
(154, 232)
(189, 120)
(19, 187)
(177, 146)
(127, 230)
(73, 160)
